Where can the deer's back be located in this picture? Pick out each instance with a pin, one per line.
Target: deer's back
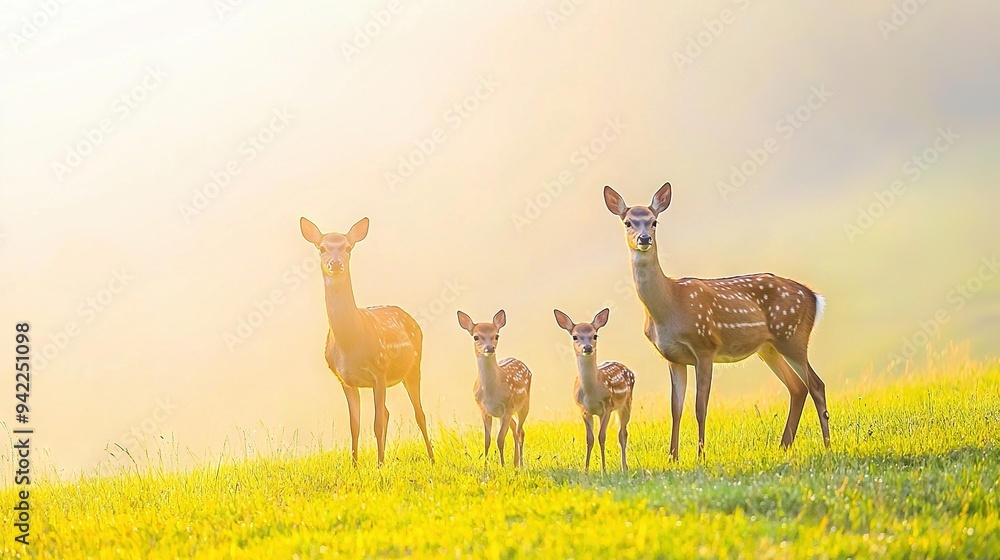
(616, 384)
(733, 317)
(515, 389)
(391, 345)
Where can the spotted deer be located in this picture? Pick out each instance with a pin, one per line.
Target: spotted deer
(699, 322)
(601, 389)
(371, 347)
(502, 390)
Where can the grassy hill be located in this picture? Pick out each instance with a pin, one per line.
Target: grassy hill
(913, 472)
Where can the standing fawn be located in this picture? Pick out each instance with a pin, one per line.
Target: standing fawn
(374, 347)
(694, 321)
(503, 389)
(600, 389)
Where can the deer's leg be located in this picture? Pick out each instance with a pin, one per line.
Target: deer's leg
(385, 425)
(502, 436)
(703, 377)
(354, 409)
(817, 390)
(624, 414)
(678, 387)
(520, 431)
(488, 430)
(412, 385)
(797, 391)
(517, 445)
(381, 418)
(602, 437)
(588, 421)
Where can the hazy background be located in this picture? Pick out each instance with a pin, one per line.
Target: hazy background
(154, 359)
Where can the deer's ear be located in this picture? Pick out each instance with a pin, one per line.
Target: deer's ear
(601, 318)
(358, 231)
(310, 231)
(563, 320)
(661, 200)
(500, 319)
(465, 321)
(615, 202)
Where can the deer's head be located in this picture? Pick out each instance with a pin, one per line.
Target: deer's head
(584, 334)
(485, 335)
(640, 221)
(334, 248)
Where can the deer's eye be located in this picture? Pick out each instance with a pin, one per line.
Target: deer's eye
(576, 337)
(628, 223)
(496, 337)
(655, 222)
(475, 337)
(595, 337)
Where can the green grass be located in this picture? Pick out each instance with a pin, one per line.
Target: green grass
(913, 472)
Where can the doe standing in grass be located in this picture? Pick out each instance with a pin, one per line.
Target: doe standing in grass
(600, 389)
(701, 321)
(503, 389)
(375, 347)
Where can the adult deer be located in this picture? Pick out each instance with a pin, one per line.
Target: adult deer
(503, 389)
(694, 321)
(599, 390)
(372, 347)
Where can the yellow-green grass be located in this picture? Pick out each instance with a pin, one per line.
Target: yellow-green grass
(913, 473)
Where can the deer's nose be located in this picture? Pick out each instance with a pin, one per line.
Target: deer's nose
(489, 349)
(645, 239)
(335, 267)
(588, 349)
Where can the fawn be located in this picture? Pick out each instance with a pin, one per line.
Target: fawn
(699, 322)
(374, 347)
(600, 389)
(503, 389)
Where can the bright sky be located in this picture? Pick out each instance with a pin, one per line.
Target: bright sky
(155, 158)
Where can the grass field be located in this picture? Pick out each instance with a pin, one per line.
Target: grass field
(913, 472)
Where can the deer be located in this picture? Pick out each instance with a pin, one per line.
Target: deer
(699, 322)
(601, 389)
(502, 390)
(372, 347)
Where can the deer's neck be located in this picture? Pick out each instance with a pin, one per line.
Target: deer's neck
(657, 292)
(587, 365)
(341, 309)
(489, 373)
